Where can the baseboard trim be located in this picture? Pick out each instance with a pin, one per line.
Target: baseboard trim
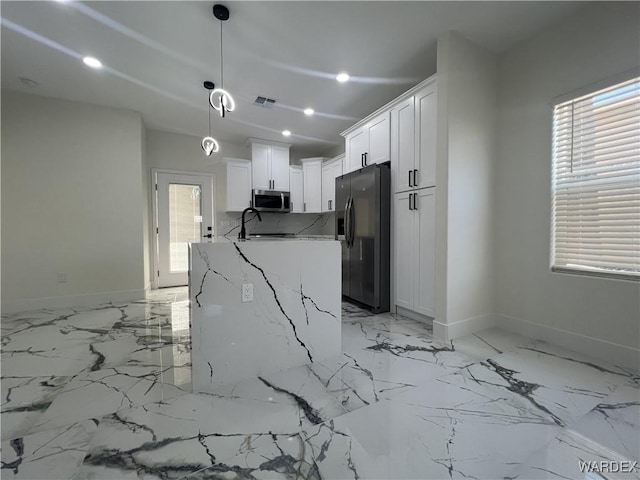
(445, 332)
(620, 355)
(414, 316)
(84, 300)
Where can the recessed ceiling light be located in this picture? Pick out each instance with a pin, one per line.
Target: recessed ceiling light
(286, 133)
(342, 77)
(92, 62)
(308, 111)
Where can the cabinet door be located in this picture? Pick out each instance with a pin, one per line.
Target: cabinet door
(403, 146)
(337, 167)
(426, 114)
(238, 185)
(379, 141)
(404, 250)
(328, 187)
(312, 178)
(261, 166)
(425, 251)
(280, 168)
(356, 143)
(297, 192)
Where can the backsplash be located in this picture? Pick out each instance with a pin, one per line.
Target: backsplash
(228, 224)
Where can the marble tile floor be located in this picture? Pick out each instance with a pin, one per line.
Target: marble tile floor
(104, 393)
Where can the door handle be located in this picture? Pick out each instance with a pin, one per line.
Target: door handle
(346, 221)
(208, 235)
(352, 222)
(415, 177)
(410, 179)
(362, 160)
(365, 159)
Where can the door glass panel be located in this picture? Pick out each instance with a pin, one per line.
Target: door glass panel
(185, 222)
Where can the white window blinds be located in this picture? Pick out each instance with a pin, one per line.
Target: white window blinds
(596, 183)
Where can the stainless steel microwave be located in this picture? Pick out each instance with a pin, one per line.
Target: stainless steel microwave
(271, 201)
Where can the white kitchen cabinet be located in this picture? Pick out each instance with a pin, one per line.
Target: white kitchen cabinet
(238, 184)
(414, 214)
(296, 184)
(270, 166)
(368, 144)
(312, 178)
(331, 170)
(413, 140)
(403, 145)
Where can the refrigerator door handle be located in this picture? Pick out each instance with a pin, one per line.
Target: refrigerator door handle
(352, 221)
(346, 221)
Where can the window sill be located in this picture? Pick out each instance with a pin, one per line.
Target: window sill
(592, 273)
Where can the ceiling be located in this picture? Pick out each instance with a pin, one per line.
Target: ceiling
(157, 55)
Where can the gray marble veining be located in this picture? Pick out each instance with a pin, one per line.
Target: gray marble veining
(105, 393)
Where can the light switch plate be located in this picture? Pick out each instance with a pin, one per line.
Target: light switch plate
(247, 292)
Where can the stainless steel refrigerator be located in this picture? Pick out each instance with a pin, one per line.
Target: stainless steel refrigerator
(363, 202)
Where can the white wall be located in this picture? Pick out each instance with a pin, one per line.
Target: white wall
(464, 186)
(600, 41)
(71, 202)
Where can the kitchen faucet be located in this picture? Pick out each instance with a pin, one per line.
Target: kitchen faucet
(243, 232)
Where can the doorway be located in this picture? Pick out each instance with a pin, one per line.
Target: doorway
(184, 214)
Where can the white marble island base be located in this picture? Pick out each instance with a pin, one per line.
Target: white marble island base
(294, 318)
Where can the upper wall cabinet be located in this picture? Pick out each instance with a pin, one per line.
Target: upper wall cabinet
(270, 165)
(238, 184)
(297, 189)
(413, 140)
(368, 144)
(312, 178)
(331, 170)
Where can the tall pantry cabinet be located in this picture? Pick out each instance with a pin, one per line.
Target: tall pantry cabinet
(413, 162)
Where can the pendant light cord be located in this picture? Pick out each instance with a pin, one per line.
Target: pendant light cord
(209, 112)
(221, 59)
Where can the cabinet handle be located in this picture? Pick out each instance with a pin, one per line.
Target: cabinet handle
(365, 159)
(330, 202)
(415, 177)
(362, 160)
(410, 179)
(304, 207)
(410, 197)
(415, 201)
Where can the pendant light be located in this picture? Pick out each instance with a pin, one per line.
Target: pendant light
(209, 144)
(220, 99)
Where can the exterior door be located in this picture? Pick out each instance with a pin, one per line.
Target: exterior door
(184, 204)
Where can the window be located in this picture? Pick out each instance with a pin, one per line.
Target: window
(596, 183)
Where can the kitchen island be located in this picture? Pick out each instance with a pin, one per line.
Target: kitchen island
(292, 319)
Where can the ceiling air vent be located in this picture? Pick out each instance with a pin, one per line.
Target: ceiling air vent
(264, 102)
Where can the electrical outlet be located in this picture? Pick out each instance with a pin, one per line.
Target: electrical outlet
(62, 277)
(247, 292)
